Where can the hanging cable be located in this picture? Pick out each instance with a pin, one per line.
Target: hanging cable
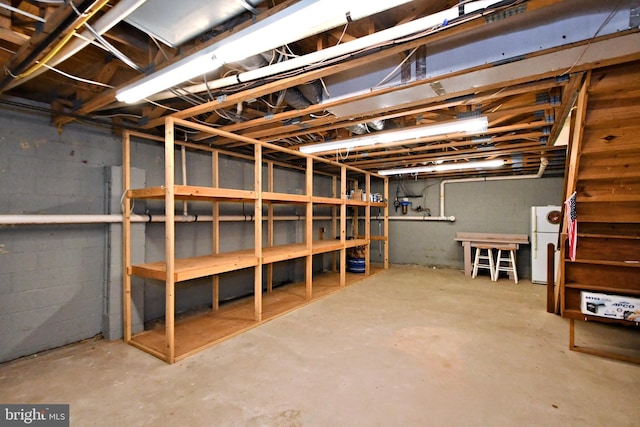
(80, 79)
(84, 18)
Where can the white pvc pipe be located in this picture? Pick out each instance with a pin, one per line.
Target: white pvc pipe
(116, 14)
(543, 165)
(116, 218)
(422, 218)
(442, 217)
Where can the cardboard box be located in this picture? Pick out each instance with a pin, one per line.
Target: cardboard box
(610, 306)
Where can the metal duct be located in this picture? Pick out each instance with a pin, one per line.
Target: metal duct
(376, 125)
(312, 91)
(362, 128)
(358, 129)
(295, 98)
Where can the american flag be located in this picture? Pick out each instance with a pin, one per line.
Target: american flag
(572, 225)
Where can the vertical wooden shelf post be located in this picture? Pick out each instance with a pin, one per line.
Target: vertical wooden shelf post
(270, 188)
(343, 225)
(334, 220)
(170, 285)
(258, 232)
(126, 236)
(309, 227)
(367, 224)
(215, 229)
(386, 223)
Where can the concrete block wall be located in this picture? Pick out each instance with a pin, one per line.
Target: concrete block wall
(52, 278)
(491, 206)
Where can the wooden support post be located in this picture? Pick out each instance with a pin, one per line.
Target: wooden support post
(343, 225)
(551, 278)
(258, 233)
(270, 188)
(169, 178)
(126, 236)
(334, 220)
(367, 225)
(309, 228)
(355, 223)
(215, 229)
(386, 223)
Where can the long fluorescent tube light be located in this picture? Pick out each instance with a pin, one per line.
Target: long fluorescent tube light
(472, 125)
(303, 19)
(435, 20)
(444, 167)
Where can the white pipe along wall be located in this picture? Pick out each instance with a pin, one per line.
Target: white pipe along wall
(116, 218)
(442, 217)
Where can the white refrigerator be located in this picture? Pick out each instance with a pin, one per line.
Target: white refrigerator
(545, 227)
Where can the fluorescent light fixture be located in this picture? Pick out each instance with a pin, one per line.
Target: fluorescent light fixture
(444, 167)
(472, 125)
(168, 77)
(303, 19)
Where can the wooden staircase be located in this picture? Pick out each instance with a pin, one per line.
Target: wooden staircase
(604, 172)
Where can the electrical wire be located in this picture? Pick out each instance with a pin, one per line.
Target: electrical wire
(388, 76)
(22, 12)
(84, 18)
(80, 79)
(108, 46)
(604, 23)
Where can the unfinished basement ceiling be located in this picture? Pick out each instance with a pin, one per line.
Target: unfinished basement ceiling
(175, 26)
(519, 63)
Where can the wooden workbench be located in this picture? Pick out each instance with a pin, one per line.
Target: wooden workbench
(470, 240)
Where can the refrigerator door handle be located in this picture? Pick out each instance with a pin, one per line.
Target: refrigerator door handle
(534, 233)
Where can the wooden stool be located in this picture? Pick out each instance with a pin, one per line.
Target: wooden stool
(507, 263)
(488, 257)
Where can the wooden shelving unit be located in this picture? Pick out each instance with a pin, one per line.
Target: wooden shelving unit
(178, 338)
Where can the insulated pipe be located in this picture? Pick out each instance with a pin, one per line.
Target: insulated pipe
(116, 14)
(115, 218)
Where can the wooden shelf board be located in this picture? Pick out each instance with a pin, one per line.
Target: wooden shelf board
(194, 267)
(319, 200)
(603, 289)
(356, 242)
(352, 202)
(195, 333)
(190, 192)
(283, 252)
(285, 198)
(324, 246)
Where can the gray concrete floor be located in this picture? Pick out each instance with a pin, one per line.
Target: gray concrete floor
(412, 346)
